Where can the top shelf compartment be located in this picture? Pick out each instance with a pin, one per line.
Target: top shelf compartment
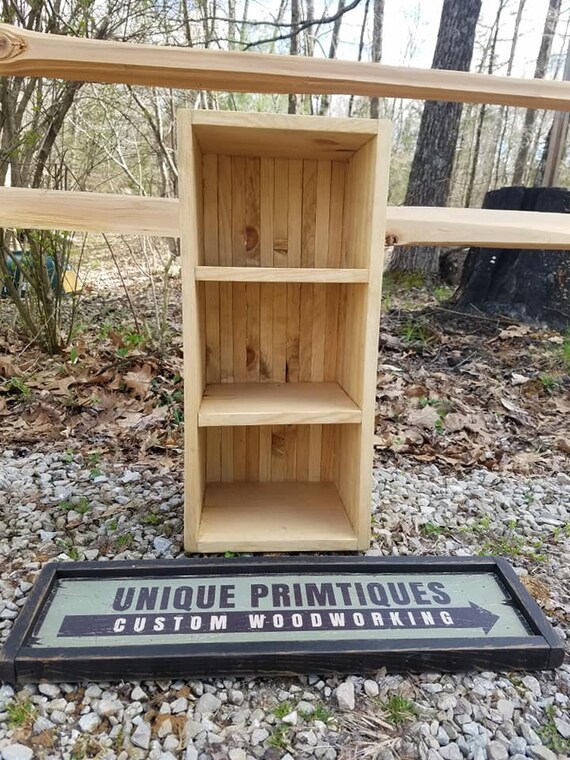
(283, 193)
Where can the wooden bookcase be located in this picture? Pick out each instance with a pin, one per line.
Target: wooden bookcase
(282, 232)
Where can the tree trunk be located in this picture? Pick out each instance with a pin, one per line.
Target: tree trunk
(294, 48)
(326, 99)
(360, 49)
(432, 167)
(539, 73)
(528, 285)
(554, 147)
(503, 118)
(483, 108)
(377, 24)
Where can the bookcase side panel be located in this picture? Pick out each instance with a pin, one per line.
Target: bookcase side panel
(377, 227)
(191, 246)
(363, 246)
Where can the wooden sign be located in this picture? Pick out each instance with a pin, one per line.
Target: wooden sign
(205, 617)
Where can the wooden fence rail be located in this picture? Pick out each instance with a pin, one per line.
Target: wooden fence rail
(25, 53)
(406, 225)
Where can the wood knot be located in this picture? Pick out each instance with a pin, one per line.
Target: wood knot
(11, 46)
(250, 238)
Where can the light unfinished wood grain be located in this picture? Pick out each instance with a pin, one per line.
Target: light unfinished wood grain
(405, 225)
(192, 242)
(282, 463)
(280, 274)
(274, 517)
(88, 212)
(376, 223)
(487, 228)
(25, 53)
(276, 404)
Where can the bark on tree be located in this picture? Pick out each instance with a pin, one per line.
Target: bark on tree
(325, 99)
(432, 167)
(483, 108)
(377, 25)
(294, 48)
(540, 71)
(547, 173)
(360, 49)
(504, 110)
(527, 285)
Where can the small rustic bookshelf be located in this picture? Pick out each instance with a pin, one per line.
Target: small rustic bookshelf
(282, 222)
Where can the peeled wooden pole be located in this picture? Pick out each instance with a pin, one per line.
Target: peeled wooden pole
(28, 208)
(430, 225)
(25, 53)
(405, 225)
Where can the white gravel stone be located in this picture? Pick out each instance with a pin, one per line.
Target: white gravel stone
(161, 545)
(506, 708)
(171, 744)
(107, 707)
(141, 735)
(138, 694)
(563, 727)
(532, 684)
(542, 753)
(89, 723)
(17, 752)
(258, 735)
(345, 695)
(371, 688)
(50, 690)
(235, 697)
(291, 719)
(208, 704)
(497, 751)
(451, 752)
(179, 705)
(42, 724)
(530, 734)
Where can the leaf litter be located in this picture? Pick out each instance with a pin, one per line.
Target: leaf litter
(453, 390)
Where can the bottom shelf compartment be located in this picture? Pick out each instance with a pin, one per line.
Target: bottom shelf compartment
(286, 516)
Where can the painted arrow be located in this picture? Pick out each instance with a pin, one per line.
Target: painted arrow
(277, 621)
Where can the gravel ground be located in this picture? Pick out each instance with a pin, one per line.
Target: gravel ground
(61, 506)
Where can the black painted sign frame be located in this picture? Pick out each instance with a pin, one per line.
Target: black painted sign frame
(21, 662)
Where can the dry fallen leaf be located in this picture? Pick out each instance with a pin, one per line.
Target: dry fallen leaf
(519, 379)
(424, 418)
(454, 422)
(139, 380)
(7, 367)
(514, 331)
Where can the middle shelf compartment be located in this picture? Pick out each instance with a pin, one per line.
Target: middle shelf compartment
(276, 403)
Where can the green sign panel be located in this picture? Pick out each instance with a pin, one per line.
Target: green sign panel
(243, 608)
(210, 616)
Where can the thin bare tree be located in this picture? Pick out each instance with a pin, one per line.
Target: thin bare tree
(542, 60)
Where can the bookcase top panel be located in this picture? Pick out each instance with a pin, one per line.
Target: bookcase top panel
(280, 135)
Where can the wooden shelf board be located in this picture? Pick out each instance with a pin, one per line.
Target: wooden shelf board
(290, 516)
(279, 274)
(226, 404)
